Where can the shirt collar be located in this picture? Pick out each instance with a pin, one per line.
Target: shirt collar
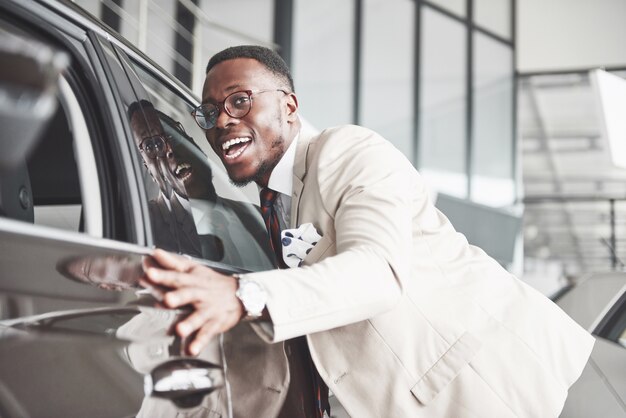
(281, 179)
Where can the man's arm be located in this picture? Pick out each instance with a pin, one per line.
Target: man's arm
(366, 187)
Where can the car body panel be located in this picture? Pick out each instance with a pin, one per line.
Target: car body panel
(55, 385)
(592, 298)
(601, 389)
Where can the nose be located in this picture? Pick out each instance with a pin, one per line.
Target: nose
(169, 151)
(224, 120)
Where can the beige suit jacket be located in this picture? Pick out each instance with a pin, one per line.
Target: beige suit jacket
(403, 317)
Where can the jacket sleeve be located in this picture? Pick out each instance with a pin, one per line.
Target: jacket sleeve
(365, 186)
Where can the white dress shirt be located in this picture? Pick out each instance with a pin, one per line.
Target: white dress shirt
(281, 180)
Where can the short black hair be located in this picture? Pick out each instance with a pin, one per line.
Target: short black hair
(269, 58)
(139, 106)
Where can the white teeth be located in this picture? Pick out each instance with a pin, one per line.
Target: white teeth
(236, 154)
(233, 141)
(181, 167)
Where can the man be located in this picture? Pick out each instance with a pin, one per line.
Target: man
(402, 317)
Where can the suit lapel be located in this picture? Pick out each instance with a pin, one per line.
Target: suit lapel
(299, 172)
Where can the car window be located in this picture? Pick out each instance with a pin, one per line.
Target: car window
(53, 183)
(183, 175)
(613, 326)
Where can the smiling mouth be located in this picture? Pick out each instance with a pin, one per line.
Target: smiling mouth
(183, 171)
(233, 148)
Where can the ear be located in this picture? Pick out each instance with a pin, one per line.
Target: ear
(292, 107)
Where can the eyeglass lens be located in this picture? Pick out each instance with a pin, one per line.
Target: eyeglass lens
(236, 105)
(154, 147)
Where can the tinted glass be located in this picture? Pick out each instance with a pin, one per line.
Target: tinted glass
(213, 219)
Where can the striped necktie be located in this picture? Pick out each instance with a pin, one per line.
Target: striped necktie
(300, 362)
(270, 216)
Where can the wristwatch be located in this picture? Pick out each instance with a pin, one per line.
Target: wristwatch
(252, 297)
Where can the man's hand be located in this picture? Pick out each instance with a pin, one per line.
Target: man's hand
(211, 294)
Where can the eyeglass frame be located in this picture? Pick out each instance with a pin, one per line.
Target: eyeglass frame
(222, 108)
(159, 154)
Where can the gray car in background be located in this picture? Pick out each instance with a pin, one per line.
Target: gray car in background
(599, 304)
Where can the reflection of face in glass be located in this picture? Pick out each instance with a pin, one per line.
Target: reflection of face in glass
(173, 226)
(142, 132)
(187, 164)
(156, 151)
(176, 172)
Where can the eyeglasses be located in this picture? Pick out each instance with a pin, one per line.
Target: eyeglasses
(154, 146)
(236, 105)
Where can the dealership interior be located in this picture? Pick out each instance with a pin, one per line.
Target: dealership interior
(513, 111)
(496, 102)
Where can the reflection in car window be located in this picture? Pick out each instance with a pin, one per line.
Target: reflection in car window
(170, 212)
(227, 223)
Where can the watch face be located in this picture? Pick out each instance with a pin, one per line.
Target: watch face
(252, 297)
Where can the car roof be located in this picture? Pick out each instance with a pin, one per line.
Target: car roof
(590, 300)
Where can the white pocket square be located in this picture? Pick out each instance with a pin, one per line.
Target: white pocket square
(298, 242)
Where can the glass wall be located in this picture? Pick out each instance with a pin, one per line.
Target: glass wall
(466, 141)
(387, 87)
(492, 156)
(458, 7)
(219, 27)
(323, 60)
(443, 103)
(252, 24)
(494, 16)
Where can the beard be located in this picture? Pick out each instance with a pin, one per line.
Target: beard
(266, 166)
(276, 152)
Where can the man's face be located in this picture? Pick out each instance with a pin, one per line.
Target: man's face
(250, 147)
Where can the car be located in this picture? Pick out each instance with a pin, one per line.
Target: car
(598, 303)
(102, 160)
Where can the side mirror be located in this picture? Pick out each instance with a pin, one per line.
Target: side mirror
(28, 84)
(184, 381)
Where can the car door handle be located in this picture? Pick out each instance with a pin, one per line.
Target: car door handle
(184, 381)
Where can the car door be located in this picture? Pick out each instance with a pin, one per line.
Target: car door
(71, 193)
(63, 222)
(77, 335)
(599, 304)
